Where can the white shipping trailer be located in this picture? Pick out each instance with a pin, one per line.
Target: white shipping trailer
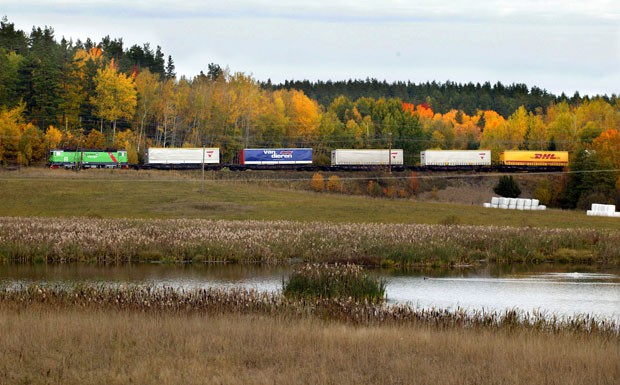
(174, 156)
(363, 157)
(455, 158)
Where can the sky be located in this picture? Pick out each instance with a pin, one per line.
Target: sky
(562, 46)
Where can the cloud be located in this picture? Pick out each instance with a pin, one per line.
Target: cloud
(527, 11)
(559, 45)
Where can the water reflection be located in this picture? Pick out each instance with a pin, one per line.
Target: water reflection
(553, 290)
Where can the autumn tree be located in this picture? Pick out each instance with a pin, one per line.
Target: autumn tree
(607, 147)
(11, 128)
(128, 141)
(146, 87)
(115, 96)
(95, 141)
(495, 135)
(31, 146)
(52, 138)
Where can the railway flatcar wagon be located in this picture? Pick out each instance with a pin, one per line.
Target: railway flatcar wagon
(158, 157)
(275, 156)
(442, 158)
(88, 159)
(367, 157)
(534, 158)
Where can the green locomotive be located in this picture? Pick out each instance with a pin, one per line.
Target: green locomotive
(88, 159)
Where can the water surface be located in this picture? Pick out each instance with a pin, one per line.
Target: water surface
(552, 290)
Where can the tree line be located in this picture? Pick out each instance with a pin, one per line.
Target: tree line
(64, 94)
(443, 97)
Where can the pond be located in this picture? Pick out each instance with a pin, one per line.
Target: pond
(552, 290)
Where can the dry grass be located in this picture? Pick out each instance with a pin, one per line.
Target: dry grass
(108, 347)
(130, 240)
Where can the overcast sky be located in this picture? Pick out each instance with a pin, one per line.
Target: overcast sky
(558, 45)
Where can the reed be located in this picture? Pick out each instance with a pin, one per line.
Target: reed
(277, 242)
(324, 281)
(364, 312)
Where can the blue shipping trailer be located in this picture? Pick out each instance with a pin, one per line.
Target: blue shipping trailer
(270, 156)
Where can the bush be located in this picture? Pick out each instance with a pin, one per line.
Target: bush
(413, 185)
(333, 184)
(317, 183)
(507, 187)
(334, 281)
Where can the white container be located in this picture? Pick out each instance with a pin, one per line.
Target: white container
(157, 155)
(495, 201)
(364, 157)
(455, 158)
(542, 207)
(487, 205)
(535, 203)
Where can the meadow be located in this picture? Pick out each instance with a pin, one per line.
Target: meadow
(247, 195)
(43, 345)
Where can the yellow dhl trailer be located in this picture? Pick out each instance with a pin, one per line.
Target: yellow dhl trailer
(534, 158)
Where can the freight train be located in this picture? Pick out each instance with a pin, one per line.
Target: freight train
(302, 159)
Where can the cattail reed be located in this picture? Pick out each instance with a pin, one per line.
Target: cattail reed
(136, 298)
(323, 281)
(272, 242)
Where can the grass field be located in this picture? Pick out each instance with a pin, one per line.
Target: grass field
(72, 346)
(241, 196)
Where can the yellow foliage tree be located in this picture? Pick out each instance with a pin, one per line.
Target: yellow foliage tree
(304, 113)
(95, 141)
(115, 96)
(11, 128)
(52, 138)
(31, 146)
(128, 141)
(495, 134)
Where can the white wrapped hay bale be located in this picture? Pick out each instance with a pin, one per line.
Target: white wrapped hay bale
(512, 204)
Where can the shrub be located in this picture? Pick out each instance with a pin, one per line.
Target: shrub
(373, 189)
(543, 192)
(317, 183)
(507, 187)
(413, 185)
(334, 281)
(333, 184)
